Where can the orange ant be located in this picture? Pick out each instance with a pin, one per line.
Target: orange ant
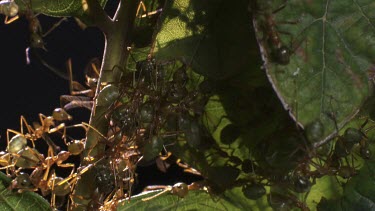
(280, 201)
(279, 52)
(36, 35)
(46, 126)
(58, 191)
(40, 179)
(25, 182)
(179, 189)
(31, 158)
(41, 173)
(120, 158)
(142, 7)
(92, 74)
(25, 158)
(163, 163)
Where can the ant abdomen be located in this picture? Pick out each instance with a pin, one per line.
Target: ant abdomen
(279, 52)
(253, 191)
(281, 55)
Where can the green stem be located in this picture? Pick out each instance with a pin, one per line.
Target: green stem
(117, 39)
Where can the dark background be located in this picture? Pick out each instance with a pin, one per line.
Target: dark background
(32, 89)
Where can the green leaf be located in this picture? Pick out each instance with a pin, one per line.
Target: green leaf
(332, 49)
(195, 200)
(359, 191)
(325, 187)
(57, 8)
(12, 200)
(244, 116)
(203, 37)
(235, 196)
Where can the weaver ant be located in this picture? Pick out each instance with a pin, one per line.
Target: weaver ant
(37, 35)
(87, 94)
(179, 189)
(285, 201)
(280, 53)
(47, 125)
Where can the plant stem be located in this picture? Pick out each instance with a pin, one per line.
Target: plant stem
(117, 39)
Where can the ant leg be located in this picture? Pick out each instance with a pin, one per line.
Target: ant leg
(294, 44)
(76, 175)
(73, 85)
(83, 104)
(53, 196)
(7, 167)
(157, 187)
(42, 117)
(192, 171)
(66, 99)
(180, 164)
(86, 127)
(70, 74)
(52, 147)
(57, 128)
(79, 104)
(142, 6)
(367, 129)
(30, 130)
(165, 157)
(64, 136)
(44, 63)
(77, 86)
(66, 165)
(364, 124)
(11, 20)
(73, 177)
(152, 13)
(54, 26)
(93, 66)
(281, 7)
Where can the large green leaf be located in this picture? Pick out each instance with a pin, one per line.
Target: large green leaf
(359, 191)
(332, 50)
(12, 200)
(195, 200)
(203, 35)
(56, 8)
(245, 103)
(232, 199)
(244, 116)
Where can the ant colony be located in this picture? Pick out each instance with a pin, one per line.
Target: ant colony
(156, 107)
(159, 108)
